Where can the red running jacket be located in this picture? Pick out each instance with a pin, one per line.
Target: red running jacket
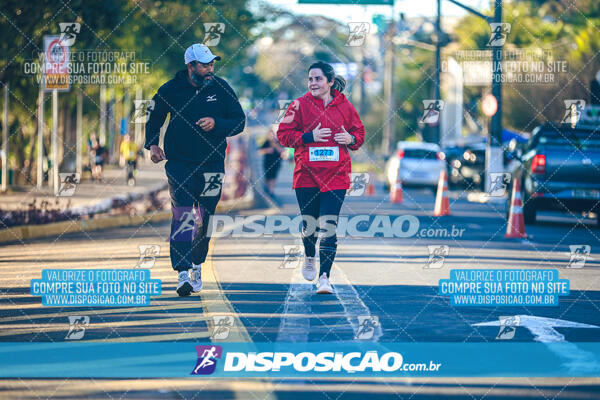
(303, 115)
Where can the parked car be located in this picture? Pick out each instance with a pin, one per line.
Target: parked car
(560, 170)
(418, 163)
(466, 166)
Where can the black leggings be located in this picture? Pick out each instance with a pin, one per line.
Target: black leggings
(314, 204)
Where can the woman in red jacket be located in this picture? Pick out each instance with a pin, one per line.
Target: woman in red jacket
(322, 126)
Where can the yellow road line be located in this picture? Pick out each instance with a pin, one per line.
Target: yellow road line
(215, 302)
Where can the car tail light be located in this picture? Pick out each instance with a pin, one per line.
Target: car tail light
(538, 164)
(400, 154)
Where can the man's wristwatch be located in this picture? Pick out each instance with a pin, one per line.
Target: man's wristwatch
(353, 141)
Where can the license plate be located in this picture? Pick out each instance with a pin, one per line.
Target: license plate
(324, 154)
(586, 194)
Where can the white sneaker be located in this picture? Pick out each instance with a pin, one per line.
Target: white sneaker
(184, 287)
(323, 286)
(196, 279)
(309, 269)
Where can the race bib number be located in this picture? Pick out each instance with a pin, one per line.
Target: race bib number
(323, 154)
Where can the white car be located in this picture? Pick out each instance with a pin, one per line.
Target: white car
(418, 163)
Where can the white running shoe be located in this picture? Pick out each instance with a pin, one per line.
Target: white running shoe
(196, 279)
(309, 269)
(184, 287)
(323, 286)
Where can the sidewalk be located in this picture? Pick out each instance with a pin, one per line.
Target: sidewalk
(88, 194)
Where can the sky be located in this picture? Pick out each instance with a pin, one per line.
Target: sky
(411, 8)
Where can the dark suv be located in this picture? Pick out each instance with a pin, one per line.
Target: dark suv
(560, 170)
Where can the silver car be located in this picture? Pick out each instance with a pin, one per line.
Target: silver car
(419, 165)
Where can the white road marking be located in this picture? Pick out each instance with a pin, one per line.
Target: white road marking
(296, 328)
(543, 331)
(352, 303)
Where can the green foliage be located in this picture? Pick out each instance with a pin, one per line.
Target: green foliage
(157, 31)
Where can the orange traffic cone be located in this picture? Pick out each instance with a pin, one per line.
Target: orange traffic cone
(442, 203)
(396, 190)
(516, 224)
(371, 187)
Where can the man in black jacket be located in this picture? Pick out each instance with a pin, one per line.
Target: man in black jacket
(204, 111)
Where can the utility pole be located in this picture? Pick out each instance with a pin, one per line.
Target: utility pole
(79, 135)
(5, 141)
(494, 161)
(55, 178)
(438, 51)
(388, 94)
(494, 158)
(40, 139)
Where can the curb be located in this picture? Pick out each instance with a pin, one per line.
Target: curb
(26, 232)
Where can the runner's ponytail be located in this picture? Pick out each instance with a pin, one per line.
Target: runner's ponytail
(339, 83)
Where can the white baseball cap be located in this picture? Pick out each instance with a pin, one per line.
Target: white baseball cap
(199, 52)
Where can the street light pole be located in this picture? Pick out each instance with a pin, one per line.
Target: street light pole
(494, 161)
(494, 158)
(438, 50)
(388, 92)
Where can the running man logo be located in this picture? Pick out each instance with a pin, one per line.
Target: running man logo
(207, 359)
(359, 183)
(283, 108)
(68, 184)
(77, 325)
(437, 256)
(366, 326)
(508, 327)
(68, 32)
(148, 254)
(499, 181)
(213, 182)
(357, 33)
(573, 111)
(579, 254)
(213, 32)
(292, 256)
(431, 112)
(222, 327)
(184, 224)
(500, 31)
(142, 110)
